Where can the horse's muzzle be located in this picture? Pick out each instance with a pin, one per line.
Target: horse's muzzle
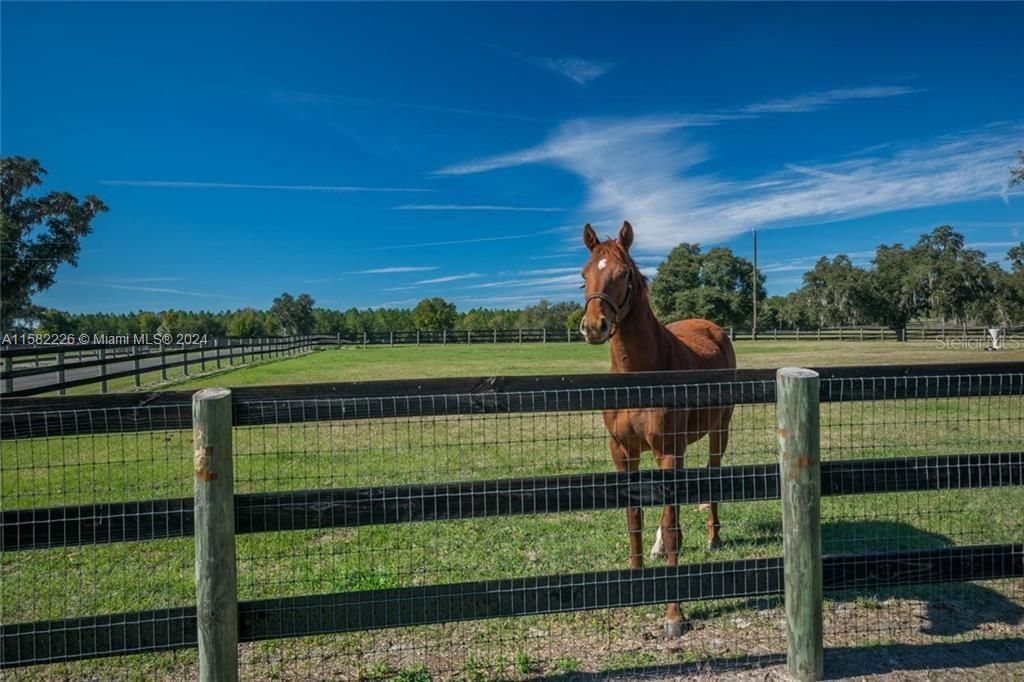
(596, 333)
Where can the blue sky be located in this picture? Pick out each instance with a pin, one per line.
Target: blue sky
(373, 155)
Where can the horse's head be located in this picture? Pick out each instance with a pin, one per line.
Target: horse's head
(610, 280)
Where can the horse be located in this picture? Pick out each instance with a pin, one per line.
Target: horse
(617, 308)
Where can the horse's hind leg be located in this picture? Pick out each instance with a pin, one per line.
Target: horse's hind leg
(718, 439)
(628, 459)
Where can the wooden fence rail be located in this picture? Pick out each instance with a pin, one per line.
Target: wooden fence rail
(38, 528)
(28, 417)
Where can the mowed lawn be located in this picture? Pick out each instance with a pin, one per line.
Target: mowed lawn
(407, 362)
(93, 580)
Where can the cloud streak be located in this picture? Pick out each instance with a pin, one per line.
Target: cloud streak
(452, 241)
(393, 269)
(820, 100)
(188, 184)
(472, 207)
(311, 98)
(449, 278)
(160, 290)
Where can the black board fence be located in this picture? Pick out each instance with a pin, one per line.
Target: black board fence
(167, 629)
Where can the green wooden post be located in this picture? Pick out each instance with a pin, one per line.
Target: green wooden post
(103, 369)
(136, 367)
(800, 474)
(60, 372)
(216, 578)
(8, 368)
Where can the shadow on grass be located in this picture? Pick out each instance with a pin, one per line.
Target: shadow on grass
(950, 608)
(840, 662)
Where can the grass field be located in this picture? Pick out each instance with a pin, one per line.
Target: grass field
(61, 583)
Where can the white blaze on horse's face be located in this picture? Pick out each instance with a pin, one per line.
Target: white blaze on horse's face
(602, 264)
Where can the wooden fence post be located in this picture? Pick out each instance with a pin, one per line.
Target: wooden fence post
(520, 335)
(800, 474)
(216, 577)
(216, 350)
(444, 337)
(417, 337)
(364, 339)
(136, 367)
(102, 354)
(8, 367)
(184, 359)
(60, 372)
(544, 335)
(469, 337)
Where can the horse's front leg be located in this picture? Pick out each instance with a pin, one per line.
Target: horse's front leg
(628, 459)
(718, 440)
(670, 536)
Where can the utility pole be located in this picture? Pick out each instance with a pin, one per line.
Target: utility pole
(753, 326)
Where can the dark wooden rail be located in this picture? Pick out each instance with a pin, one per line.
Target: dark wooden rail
(23, 529)
(254, 405)
(166, 629)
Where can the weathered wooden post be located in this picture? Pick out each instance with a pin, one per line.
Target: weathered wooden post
(800, 476)
(60, 372)
(136, 367)
(469, 337)
(417, 337)
(163, 362)
(8, 368)
(102, 355)
(216, 351)
(520, 335)
(544, 335)
(495, 336)
(444, 337)
(184, 359)
(216, 579)
(364, 339)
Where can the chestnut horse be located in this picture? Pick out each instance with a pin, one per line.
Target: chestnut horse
(617, 308)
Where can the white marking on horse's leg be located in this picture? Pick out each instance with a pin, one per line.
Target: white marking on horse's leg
(704, 507)
(658, 548)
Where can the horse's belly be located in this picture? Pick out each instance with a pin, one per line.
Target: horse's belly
(640, 429)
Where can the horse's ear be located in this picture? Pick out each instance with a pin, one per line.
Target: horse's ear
(626, 235)
(590, 237)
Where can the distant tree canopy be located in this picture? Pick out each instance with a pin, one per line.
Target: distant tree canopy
(293, 316)
(37, 234)
(716, 285)
(434, 313)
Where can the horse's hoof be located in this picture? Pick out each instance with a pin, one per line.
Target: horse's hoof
(714, 544)
(657, 552)
(677, 628)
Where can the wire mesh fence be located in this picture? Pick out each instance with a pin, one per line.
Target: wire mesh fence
(394, 535)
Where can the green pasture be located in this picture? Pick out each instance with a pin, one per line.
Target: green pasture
(92, 580)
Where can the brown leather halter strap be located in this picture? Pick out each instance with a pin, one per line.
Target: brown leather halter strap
(617, 309)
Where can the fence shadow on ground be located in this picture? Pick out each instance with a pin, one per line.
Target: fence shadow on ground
(840, 662)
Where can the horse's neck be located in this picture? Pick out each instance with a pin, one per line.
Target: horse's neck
(641, 343)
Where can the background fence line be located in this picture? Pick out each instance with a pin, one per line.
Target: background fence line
(47, 369)
(31, 370)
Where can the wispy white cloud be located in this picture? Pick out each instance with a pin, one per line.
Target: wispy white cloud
(453, 241)
(804, 263)
(393, 269)
(820, 100)
(449, 278)
(472, 207)
(160, 290)
(188, 184)
(143, 280)
(374, 102)
(322, 280)
(576, 69)
(646, 171)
